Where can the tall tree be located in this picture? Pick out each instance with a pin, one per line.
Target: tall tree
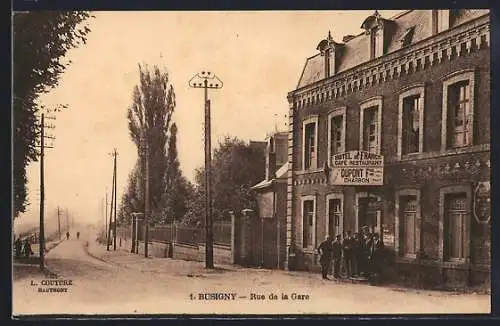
(178, 189)
(40, 41)
(149, 119)
(236, 167)
(132, 200)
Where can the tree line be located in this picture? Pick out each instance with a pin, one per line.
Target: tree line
(236, 165)
(41, 41)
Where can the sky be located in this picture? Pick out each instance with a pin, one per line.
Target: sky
(258, 55)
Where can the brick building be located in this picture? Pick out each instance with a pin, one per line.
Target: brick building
(270, 194)
(413, 90)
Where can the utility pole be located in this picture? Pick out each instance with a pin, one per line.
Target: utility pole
(59, 222)
(115, 154)
(146, 196)
(206, 80)
(41, 236)
(67, 220)
(111, 212)
(106, 216)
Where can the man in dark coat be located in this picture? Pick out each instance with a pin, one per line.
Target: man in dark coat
(18, 246)
(336, 256)
(325, 251)
(376, 256)
(347, 247)
(355, 254)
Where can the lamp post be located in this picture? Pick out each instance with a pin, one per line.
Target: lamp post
(206, 80)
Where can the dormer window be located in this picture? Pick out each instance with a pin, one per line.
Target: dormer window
(329, 50)
(375, 27)
(440, 20)
(407, 37)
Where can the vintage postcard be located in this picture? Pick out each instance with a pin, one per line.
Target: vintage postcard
(251, 162)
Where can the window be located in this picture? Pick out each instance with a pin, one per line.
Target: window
(376, 42)
(310, 141)
(370, 125)
(370, 129)
(411, 121)
(440, 20)
(327, 63)
(407, 37)
(458, 111)
(336, 131)
(409, 217)
(455, 207)
(335, 221)
(308, 222)
(455, 226)
(407, 222)
(460, 115)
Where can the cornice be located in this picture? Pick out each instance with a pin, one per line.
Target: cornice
(418, 56)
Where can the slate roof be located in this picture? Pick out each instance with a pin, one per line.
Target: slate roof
(356, 50)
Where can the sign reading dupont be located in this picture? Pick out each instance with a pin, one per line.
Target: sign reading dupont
(357, 168)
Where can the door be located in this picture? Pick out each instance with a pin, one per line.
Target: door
(368, 214)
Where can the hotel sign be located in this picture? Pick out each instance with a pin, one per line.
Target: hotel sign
(357, 168)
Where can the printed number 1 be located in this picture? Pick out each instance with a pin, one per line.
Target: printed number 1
(191, 296)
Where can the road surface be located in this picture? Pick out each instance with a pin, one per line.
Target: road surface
(124, 283)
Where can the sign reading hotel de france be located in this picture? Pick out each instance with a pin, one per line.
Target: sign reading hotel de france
(357, 168)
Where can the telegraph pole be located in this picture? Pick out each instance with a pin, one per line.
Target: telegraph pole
(146, 197)
(106, 216)
(59, 222)
(42, 197)
(67, 220)
(115, 154)
(41, 236)
(111, 212)
(206, 80)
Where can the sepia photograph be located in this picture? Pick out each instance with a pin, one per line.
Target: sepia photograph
(251, 162)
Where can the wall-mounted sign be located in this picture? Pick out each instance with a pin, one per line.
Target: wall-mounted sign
(482, 202)
(357, 168)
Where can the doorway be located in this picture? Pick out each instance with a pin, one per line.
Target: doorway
(368, 212)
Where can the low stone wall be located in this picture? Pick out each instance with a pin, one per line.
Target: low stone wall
(222, 254)
(188, 252)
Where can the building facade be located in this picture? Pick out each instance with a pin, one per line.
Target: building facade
(413, 90)
(271, 194)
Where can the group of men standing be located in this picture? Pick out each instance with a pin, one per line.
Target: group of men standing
(359, 254)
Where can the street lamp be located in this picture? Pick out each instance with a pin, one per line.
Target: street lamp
(206, 80)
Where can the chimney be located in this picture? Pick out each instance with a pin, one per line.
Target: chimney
(270, 159)
(271, 166)
(347, 38)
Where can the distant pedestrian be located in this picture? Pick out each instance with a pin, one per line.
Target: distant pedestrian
(27, 248)
(325, 251)
(18, 246)
(67, 235)
(347, 248)
(336, 256)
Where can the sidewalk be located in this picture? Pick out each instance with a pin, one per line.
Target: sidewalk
(173, 267)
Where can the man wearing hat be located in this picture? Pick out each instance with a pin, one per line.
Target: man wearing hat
(325, 251)
(336, 256)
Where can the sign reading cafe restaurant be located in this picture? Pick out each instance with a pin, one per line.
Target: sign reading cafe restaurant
(357, 168)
